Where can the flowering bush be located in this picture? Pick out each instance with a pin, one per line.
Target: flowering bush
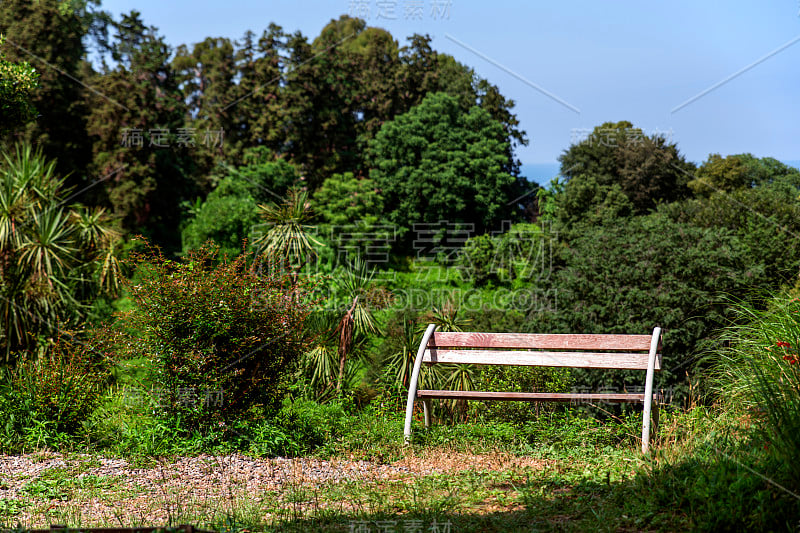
(48, 396)
(222, 337)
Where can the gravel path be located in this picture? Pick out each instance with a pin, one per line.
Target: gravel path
(91, 490)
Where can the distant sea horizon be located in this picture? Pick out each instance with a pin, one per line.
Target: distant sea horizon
(542, 173)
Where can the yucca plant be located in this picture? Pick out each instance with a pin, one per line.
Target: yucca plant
(51, 257)
(342, 329)
(287, 236)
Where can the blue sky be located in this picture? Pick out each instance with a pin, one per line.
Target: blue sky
(597, 60)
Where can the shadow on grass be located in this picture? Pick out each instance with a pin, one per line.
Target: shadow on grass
(715, 494)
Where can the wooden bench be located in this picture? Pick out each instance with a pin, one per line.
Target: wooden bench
(627, 352)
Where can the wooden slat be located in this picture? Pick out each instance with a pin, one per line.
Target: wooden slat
(541, 341)
(615, 360)
(531, 396)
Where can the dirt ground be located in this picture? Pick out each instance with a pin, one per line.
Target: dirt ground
(93, 490)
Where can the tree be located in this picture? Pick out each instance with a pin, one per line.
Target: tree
(319, 103)
(142, 149)
(437, 162)
(320, 121)
(358, 319)
(461, 82)
(342, 329)
(726, 174)
(18, 81)
(647, 169)
(50, 36)
(236, 88)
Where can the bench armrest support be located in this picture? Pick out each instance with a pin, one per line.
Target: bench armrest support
(412, 385)
(648, 389)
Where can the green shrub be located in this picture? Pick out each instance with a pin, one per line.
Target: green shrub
(229, 213)
(630, 275)
(519, 379)
(760, 371)
(311, 424)
(221, 337)
(46, 399)
(768, 227)
(224, 219)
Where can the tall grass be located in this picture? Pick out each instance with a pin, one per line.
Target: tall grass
(758, 372)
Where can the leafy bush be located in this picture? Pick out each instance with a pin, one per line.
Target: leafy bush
(517, 258)
(311, 424)
(221, 337)
(224, 219)
(46, 399)
(345, 199)
(230, 211)
(633, 274)
(519, 379)
(298, 427)
(766, 218)
(18, 80)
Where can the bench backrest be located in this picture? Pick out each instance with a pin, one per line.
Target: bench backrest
(557, 350)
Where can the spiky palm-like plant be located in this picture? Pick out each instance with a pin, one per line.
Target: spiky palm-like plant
(341, 330)
(287, 237)
(50, 256)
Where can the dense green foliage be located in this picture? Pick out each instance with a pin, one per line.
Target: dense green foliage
(221, 339)
(764, 213)
(346, 200)
(52, 40)
(619, 158)
(229, 213)
(633, 274)
(437, 162)
(141, 148)
(17, 84)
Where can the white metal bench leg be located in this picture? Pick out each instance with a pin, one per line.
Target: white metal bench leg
(426, 406)
(412, 385)
(648, 390)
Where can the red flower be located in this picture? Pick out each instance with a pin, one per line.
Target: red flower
(782, 344)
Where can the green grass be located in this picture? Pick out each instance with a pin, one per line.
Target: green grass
(703, 475)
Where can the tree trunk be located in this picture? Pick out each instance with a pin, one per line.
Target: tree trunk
(345, 341)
